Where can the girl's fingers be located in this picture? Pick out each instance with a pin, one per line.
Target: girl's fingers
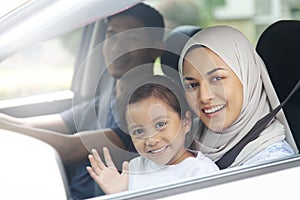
(108, 159)
(95, 167)
(98, 159)
(92, 172)
(95, 154)
(125, 167)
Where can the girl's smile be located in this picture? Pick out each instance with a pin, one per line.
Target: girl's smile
(157, 131)
(158, 151)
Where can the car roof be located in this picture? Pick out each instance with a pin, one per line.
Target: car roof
(51, 18)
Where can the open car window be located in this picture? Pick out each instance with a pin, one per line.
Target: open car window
(43, 45)
(41, 68)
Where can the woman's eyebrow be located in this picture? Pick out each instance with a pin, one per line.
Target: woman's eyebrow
(214, 70)
(188, 78)
(208, 73)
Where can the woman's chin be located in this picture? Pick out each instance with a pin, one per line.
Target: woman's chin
(215, 127)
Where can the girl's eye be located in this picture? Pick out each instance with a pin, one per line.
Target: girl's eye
(160, 125)
(137, 132)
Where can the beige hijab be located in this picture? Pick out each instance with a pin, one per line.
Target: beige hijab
(259, 95)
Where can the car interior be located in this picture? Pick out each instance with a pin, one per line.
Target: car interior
(278, 44)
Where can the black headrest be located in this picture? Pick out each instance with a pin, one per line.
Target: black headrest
(279, 47)
(175, 43)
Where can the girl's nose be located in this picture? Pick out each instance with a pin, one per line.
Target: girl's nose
(152, 140)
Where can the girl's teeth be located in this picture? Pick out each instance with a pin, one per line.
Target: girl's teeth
(158, 150)
(214, 109)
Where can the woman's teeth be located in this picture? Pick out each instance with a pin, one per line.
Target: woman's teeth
(214, 109)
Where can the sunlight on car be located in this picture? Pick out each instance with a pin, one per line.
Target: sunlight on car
(8, 6)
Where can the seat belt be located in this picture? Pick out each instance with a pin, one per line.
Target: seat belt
(229, 157)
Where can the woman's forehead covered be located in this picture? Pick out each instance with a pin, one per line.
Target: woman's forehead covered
(228, 43)
(203, 60)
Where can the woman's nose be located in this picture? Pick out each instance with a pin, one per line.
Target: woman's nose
(205, 94)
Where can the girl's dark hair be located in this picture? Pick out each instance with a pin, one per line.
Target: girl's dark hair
(157, 86)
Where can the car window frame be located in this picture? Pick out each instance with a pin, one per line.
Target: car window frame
(199, 184)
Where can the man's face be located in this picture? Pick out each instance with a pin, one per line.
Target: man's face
(125, 45)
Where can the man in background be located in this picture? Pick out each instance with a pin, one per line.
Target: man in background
(122, 52)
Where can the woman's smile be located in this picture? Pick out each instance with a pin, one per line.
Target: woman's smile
(213, 111)
(213, 90)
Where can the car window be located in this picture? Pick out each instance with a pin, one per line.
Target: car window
(40, 68)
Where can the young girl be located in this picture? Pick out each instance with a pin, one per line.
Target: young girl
(228, 87)
(159, 122)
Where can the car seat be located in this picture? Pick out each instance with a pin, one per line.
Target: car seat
(279, 47)
(174, 45)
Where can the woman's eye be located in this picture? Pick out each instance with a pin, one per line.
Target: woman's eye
(191, 85)
(137, 132)
(216, 78)
(160, 125)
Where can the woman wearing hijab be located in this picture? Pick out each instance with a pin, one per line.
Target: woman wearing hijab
(229, 89)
